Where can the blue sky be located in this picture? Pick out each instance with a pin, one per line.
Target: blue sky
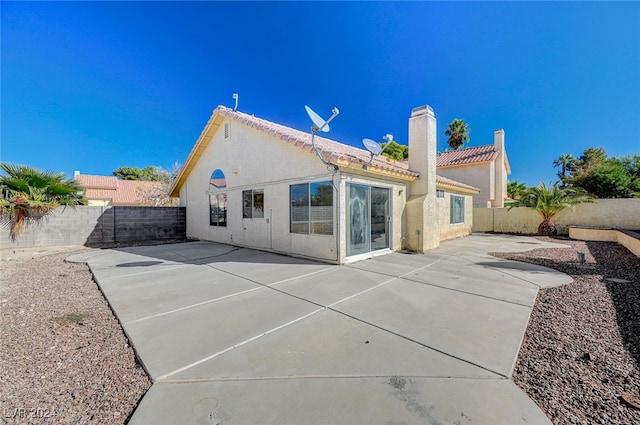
(94, 86)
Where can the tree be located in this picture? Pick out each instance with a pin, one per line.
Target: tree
(395, 150)
(548, 201)
(611, 179)
(28, 194)
(515, 189)
(601, 176)
(632, 164)
(150, 173)
(458, 133)
(153, 195)
(567, 162)
(590, 159)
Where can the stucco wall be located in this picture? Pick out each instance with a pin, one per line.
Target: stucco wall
(252, 160)
(606, 213)
(448, 230)
(478, 175)
(101, 226)
(630, 240)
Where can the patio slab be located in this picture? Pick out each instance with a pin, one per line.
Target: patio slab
(234, 335)
(347, 401)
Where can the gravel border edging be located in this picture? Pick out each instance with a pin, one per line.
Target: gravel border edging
(581, 349)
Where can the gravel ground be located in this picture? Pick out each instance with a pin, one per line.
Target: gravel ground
(64, 358)
(582, 347)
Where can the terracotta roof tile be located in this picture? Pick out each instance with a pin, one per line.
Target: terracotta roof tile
(443, 181)
(119, 192)
(97, 182)
(330, 149)
(466, 156)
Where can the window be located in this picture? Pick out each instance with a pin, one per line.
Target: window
(253, 203)
(218, 209)
(457, 209)
(217, 180)
(311, 208)
(440, 193)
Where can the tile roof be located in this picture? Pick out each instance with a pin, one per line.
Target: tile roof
(466, 156)
(331, 150)
(97, 182)
(119, 192)
(444, 182)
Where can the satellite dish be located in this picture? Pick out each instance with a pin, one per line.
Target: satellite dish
(372, 146)
(318, 122)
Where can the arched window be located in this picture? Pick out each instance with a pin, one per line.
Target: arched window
(217, 201)
(218, 181)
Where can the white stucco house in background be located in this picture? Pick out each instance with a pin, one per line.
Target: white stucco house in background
(254, 183)
(485, 167)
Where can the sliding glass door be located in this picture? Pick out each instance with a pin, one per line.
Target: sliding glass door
(367, 219)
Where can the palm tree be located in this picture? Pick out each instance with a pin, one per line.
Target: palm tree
(568, 163)
(549, 201)
(515, 189)
(458, 133)
(28, 194)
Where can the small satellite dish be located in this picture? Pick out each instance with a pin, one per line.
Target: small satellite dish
(318, 122)
(372, 146)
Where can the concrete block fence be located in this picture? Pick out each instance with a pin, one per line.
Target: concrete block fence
(100, 226)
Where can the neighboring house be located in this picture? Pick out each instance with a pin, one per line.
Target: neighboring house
(485, 167)
(108, 190)
(254, 183)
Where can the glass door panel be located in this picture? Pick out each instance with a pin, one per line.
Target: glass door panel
(379, 218)
(358, 219)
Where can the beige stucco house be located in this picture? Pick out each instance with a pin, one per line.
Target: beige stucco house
(254, 183)
(485, 167)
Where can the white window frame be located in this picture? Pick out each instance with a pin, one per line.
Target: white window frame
(250, 211)
(456, 212)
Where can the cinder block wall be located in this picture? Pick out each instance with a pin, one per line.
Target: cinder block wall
(101, 227)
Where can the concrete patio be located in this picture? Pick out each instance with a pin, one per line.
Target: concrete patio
(236, 336)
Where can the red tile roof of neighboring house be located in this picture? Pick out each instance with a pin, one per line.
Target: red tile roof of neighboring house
(97, 182)
(330, 150)
(118, 192)
(466, 156)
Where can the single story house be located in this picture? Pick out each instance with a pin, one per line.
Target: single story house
(112, 191)
(254, 183)
(486, 167)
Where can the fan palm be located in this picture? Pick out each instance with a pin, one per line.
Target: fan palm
(549, 201)
(567, 162)
(458, 133)
(28, 194)
(515, 189)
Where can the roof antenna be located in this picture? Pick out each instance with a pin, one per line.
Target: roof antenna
(320, 125)
(235, 96)
(374, 148)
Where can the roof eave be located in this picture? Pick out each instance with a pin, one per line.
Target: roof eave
(465, 190)
(209, 131)
(376, 171)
